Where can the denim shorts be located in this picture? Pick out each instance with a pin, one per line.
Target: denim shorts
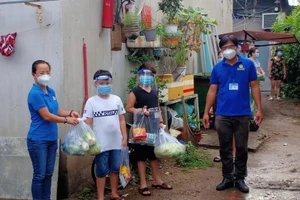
(108, 161)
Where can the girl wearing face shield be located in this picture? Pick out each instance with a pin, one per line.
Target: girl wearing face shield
(141, 99)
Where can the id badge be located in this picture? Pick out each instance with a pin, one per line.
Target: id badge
(233, 86)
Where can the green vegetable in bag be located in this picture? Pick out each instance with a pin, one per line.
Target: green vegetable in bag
(94, 149)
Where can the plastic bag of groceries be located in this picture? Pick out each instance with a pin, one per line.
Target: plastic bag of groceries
(145, 127)
(80, 140)
(125, 174)
(167, 146)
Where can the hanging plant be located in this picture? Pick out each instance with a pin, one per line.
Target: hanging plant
(192, 24)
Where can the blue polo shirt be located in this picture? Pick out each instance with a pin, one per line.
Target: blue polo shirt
(39, 128)
(233, 98)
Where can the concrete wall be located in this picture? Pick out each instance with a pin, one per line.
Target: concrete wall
(59, 40)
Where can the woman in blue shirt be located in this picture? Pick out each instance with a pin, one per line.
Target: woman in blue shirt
(43, 133)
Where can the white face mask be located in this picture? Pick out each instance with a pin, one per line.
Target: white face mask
(229, 54)
(44, 79)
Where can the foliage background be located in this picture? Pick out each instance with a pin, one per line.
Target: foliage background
(291, 24)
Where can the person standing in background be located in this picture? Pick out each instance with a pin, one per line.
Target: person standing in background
(277, 73)
(254, 55)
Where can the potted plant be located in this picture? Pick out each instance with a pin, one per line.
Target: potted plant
(131, 25)
(149, 32)
(171, 40)
(194, 125)
(170, 8)
(180, 59)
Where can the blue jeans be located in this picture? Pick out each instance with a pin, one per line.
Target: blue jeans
(42, 154)
(108, 161)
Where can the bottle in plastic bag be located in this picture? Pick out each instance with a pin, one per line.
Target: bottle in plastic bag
(125, 173)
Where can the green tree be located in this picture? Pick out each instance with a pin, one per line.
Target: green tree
(291, 52)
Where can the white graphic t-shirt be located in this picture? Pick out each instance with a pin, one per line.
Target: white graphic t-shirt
(106, 124)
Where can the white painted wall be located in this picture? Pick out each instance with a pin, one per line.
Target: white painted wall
(34, 41)
(60, 43)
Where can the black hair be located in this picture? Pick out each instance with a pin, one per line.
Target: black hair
(102, 72)
(251, 51)
(147, 66)
(36, 63)
(228, 38)
(276, 51)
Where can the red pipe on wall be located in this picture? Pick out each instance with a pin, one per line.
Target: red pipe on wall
(85, 72)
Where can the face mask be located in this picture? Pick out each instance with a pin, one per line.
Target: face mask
(44, 79)
(229, 54)
(257, 55)
(104, 89)
(146, 80)
(279, 54)
(220, 59)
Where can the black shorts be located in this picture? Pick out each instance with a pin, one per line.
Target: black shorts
(144, 152)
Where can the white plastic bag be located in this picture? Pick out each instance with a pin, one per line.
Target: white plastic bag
(167, 146)
(79, 140)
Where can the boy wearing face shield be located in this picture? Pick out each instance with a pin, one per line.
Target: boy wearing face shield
(141, 99)
(105, 114)
(230, 79)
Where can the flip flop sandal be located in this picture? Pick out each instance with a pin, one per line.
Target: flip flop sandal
(117, 198)
(163, 186)
(142, 191)
(217, 159)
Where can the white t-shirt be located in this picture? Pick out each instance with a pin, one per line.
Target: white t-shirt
(106, 123)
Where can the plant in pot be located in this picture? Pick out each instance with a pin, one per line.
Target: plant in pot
(194, 125)
(131, 25)
(149, 32)
(171, 40)
(170, 8)
(180, 58)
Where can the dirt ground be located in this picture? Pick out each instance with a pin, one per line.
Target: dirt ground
(273, 171)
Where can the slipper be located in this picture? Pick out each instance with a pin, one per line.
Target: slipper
(117, 198)
(163, 186)
(217, 159)
(142, 191)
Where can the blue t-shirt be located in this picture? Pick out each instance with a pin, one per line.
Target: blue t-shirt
(39, 128)
(233, 98)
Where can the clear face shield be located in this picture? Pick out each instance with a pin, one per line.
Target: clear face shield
(146, 79)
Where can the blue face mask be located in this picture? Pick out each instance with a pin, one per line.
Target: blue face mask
(279, 54)
(104, 89)
(146, 80)
(257, 55)
(220, 59)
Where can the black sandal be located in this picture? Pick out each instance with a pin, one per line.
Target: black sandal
(163, 186)
(145, 189)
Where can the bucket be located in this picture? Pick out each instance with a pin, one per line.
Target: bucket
(171, 29)
(178, 73)
(150, 35)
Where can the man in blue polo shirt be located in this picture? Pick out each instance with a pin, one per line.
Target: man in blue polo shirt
(230, 81)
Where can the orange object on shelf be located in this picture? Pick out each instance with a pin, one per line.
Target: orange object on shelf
(147, 17)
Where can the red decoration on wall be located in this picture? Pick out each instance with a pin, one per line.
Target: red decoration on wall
(7, 44)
